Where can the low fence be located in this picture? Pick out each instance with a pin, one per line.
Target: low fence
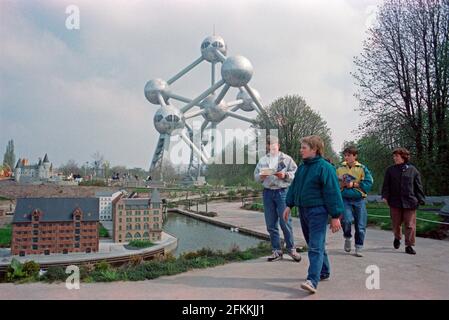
(431, 200)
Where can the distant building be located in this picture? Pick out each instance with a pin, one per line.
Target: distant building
(40, 172)
(55, 225)
(106, 203)
(138, 218)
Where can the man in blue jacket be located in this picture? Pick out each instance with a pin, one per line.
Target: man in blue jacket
(315, 191)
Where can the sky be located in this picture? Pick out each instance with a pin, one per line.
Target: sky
(74, 92)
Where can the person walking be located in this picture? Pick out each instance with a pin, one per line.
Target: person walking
(315, 191)
(403, 192)
(276, 171)
(355, 183)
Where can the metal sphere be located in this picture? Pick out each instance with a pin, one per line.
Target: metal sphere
(155, 86)
(168, 119)
(213, 112)
(237, 71)
(209, 45)
(248, 103)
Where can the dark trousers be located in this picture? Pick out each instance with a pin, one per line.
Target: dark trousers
(407, 217)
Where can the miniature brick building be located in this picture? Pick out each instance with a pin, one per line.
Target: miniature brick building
(138, 218)
(55, 225)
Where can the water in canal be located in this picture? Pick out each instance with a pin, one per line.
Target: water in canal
(194, 234)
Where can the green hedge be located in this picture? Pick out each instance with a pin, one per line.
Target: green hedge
(104, 272)
(5, 236)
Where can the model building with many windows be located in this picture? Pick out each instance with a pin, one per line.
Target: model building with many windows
(138, 218)
(55, 225)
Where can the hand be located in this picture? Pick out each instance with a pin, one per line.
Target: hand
(280, 174)
(385, 201)
(350, 185)
(335, 225)
(263, 177)
(286, 214)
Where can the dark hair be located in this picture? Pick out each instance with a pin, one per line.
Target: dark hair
(404, 153)
(351, 150)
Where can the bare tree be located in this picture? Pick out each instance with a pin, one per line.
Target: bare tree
(403, 77)
(71, 167)
(98, 161)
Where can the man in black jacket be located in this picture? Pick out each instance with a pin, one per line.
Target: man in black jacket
(403, 192)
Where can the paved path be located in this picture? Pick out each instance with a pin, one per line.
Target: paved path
(424, 276)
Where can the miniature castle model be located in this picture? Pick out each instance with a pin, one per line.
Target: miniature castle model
(40, 172)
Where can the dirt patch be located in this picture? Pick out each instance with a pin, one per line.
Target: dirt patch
(12, 190)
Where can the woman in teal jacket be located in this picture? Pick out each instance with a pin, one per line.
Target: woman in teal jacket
(315, 190)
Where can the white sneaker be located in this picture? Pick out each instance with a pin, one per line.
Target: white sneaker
(295, 255)
(348, 244)
(358, 252)
(308, 286)
(275, 256)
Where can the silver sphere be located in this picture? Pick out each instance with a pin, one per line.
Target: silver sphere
(248, 103)
(209, 45)
(213, 112)
(155, 86)
(168, 119)
(237, 71)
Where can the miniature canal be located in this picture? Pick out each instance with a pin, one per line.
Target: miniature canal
(194, 235)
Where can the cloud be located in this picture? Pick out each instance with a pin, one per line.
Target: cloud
(71, 93)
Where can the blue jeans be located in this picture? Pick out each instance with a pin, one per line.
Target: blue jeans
(274, 206)
(355, 211)
(314, 228)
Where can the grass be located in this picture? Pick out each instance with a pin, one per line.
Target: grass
(423, 228)
(93, 183)
(140, 244)
(5, 236)
(137, 271)
(102, 231)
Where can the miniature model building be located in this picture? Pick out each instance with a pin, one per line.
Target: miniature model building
(138, 218)
(107, 201)
(40, 172)
(55, 225)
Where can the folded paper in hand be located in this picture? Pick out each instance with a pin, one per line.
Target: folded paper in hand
(267, 171)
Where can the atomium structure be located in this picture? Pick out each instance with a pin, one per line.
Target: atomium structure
(169, 120)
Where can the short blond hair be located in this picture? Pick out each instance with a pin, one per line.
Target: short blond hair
(314, 142)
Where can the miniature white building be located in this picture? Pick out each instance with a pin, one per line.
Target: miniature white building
(106, 202)
(40, 172)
